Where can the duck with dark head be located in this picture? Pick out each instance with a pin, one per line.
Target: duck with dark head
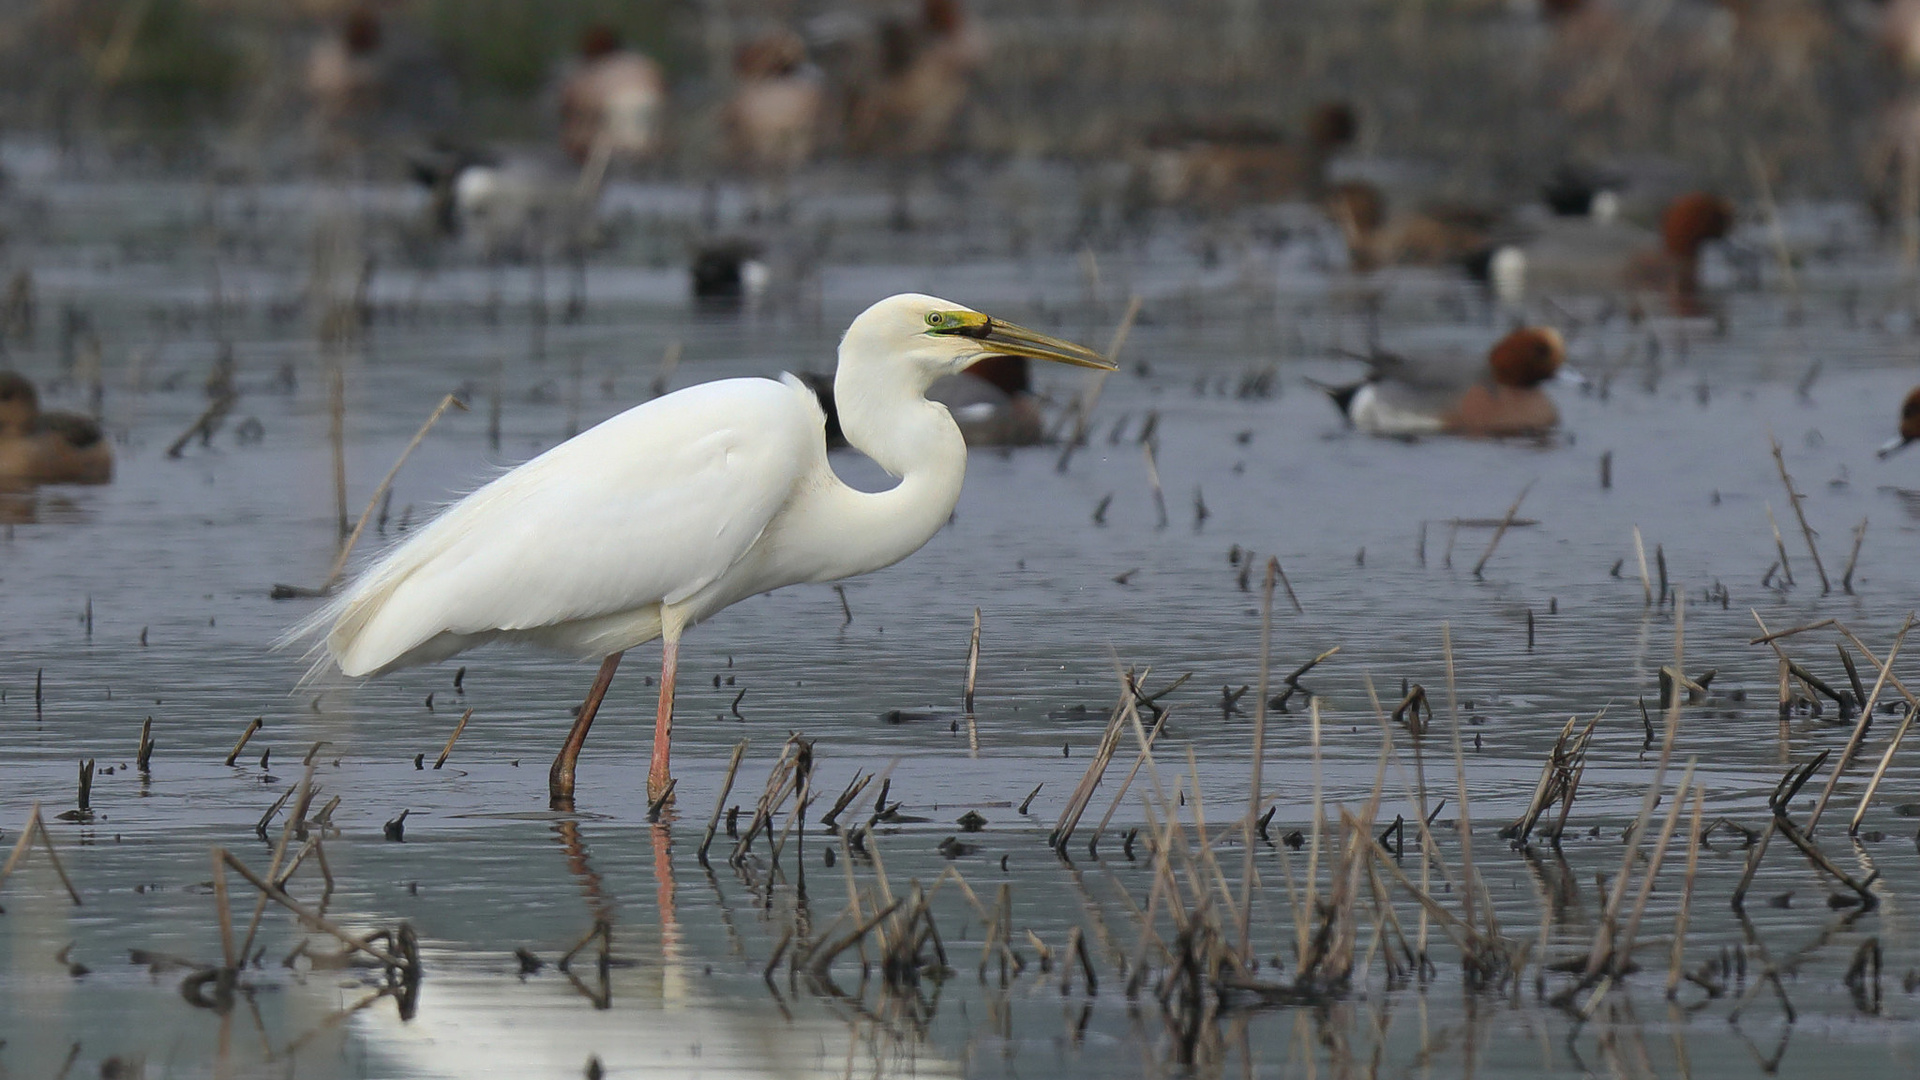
(47, 447)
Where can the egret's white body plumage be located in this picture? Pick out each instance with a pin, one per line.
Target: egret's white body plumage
(665, 514)
(650, 522)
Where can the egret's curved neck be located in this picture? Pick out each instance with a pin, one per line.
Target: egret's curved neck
(885, 414)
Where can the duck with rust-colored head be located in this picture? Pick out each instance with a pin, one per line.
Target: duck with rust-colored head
(614, 104)
(47, 447)
(1459, 395)
(1909, 425)
(992, 400)
(1575, 255)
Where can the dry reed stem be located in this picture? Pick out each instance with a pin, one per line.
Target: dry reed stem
(303, 796)
(1776, 234)
(1126, 783)
(206, 423)
(1624, 949)
(1090, 780)
(1506, 522)
(1892, 679)
(311, 918)
(1862, 889)
(1853, 559)
(883, 886)
(1470, 880)
(1203, 844)
(1766, 638)
(1318, 819)
(1880, 771)
(230, 961)
(1259, 753)
(1860, 732)
(1793, 498)
(1603, 942)
(346, 549)
(1677, 955)
(1640, 553)
(1153, 482)
(1464, 936)
(1779, 545)
(337, 435)
(37, 826)
(246, 735)
(453, 738)
(1759, 852)
(720, 804)
(1090, 396)
(853, 789)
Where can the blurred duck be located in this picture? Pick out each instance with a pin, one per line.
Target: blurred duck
(1582, 191)
(506, 208)
(729, 272)
(1432, 237)
(1596, 255)
(1909, 424)
(918, 82)
(1224, 164)
(1459, 395)
(992, 401)
(1784, 38)
(773, 118)
(1900, 35)
(345, 78)
(47, 447)
(611, 106)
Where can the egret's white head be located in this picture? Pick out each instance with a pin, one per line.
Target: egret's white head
(912, 340)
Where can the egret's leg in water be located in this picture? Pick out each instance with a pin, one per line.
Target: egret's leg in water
(560, 779)
(659, 775)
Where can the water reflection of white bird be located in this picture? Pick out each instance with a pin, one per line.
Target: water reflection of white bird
(660, 517)
(486, 1025)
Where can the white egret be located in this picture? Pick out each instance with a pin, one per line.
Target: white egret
(663, 515)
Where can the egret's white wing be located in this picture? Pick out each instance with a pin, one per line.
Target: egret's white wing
(648, 507)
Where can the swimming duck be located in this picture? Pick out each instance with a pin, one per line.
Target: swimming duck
(921, 76)
(773, 117)
(1595, 255)
(1430, 237)
(1578, 190)
(1909, 425)
(1226, 163)
(728, 272)
(48, 447)
(992, 401)
(509, 207)
(613, 102)
(1457, 395)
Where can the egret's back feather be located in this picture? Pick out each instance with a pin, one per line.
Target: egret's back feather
(579, 547)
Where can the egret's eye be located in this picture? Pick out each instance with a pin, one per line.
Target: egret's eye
(934, 318)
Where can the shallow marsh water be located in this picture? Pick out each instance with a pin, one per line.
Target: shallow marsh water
(149, 598)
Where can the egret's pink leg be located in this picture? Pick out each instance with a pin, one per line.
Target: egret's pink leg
(659, 775)
(560, 779)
